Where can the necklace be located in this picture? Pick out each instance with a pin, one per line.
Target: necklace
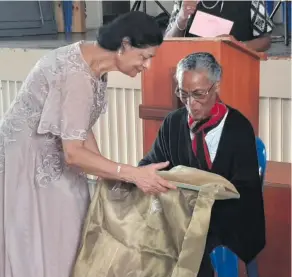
(212, 7)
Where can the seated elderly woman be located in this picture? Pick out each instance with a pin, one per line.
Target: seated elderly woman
(209, 135)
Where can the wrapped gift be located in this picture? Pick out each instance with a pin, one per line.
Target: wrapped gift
(129, 233)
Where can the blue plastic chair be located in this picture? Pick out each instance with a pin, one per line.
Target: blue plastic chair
(262, 158)
(224, 261)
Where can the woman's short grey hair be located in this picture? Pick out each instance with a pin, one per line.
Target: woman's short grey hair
(199, 61)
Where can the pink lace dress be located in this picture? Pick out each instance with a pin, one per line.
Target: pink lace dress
(43, 201)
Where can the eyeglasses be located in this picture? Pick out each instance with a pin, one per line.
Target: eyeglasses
(197, 94)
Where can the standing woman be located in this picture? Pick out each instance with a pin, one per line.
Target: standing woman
(46, 146)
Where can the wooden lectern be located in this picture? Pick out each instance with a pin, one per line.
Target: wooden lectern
(239, 88)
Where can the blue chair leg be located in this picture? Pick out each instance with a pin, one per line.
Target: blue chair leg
(287, 22)
(67, 9)
(286, 11)
(252, 269)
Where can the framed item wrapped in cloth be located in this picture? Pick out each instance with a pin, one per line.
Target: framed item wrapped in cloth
(128, 233)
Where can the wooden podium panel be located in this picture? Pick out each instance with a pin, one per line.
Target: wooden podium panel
(239, 88)
(275, 259)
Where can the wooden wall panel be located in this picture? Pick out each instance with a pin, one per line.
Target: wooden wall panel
(240, 85)
(275, 259)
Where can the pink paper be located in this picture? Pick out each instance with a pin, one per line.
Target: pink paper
(207, 25)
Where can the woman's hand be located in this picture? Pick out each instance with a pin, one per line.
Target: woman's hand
(148, 180)
(187, 9)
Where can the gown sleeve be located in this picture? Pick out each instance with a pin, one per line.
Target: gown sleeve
(159, 151)
(260, 21)
(67, 109)
(240, 224)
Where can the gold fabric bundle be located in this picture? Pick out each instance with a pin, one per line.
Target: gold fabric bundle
(130, 234)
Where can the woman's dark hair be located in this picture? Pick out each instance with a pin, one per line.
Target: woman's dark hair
(140, 28)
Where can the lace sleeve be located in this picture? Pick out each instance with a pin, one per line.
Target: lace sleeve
(68, 108)
(174, 13)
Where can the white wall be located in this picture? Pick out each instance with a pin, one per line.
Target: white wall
(94, 14)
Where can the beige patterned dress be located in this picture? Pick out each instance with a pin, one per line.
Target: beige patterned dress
(43, 201)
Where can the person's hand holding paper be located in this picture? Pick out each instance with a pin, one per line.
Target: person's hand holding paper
(187, 9)
(207, 25)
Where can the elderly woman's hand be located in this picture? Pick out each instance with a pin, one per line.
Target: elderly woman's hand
(149, 181)
(187, 9)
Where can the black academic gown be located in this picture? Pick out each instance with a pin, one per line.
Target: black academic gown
(237, 224)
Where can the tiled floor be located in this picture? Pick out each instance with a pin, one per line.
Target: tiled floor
(53, 41)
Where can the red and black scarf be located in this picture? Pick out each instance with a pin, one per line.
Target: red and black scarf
(200, 130)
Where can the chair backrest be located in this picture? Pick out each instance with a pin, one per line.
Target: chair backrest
(224, 261)
(262, 158)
